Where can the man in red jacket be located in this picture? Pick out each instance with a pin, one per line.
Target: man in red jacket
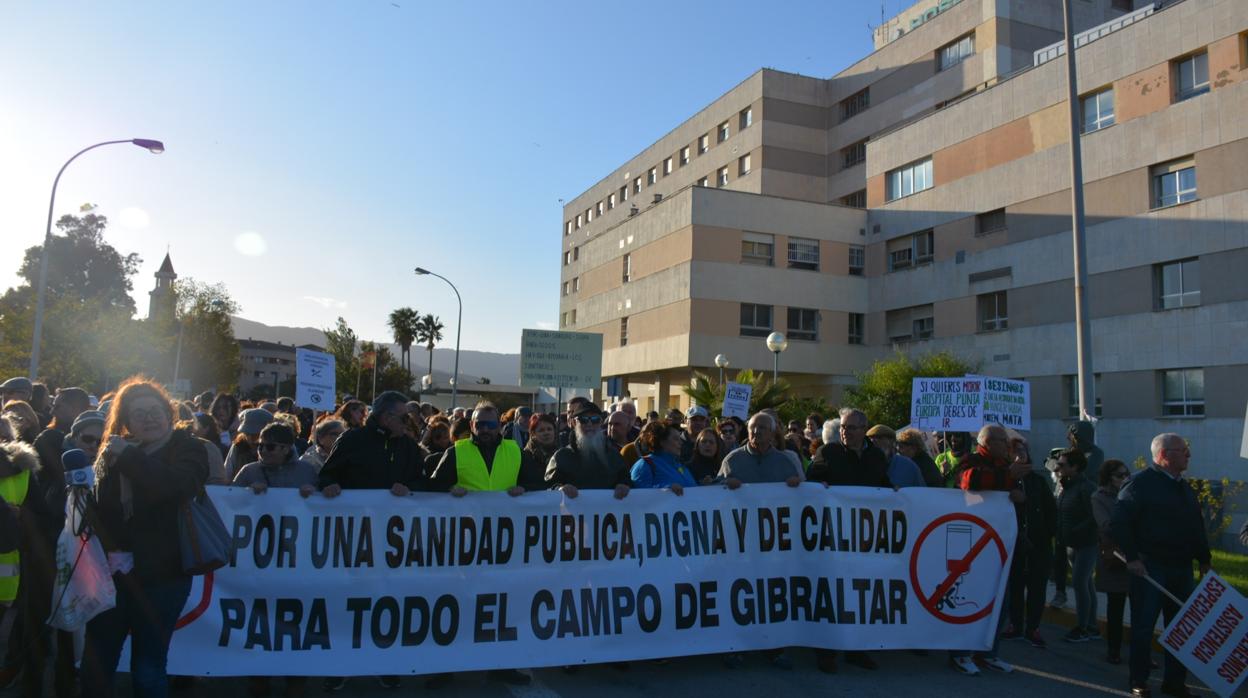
(989, 468)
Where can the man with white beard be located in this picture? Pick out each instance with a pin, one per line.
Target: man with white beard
(588, 461)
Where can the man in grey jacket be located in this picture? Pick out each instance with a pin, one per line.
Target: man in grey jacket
(759, 460)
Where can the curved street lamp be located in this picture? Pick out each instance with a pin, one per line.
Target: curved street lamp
(776, 343)
(156, 148)
(722, 362)
(459, 326)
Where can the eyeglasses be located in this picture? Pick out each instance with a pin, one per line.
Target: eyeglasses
(853, 427)
(590, 419)
(151, 414)
(270, 446)
(88, 440)
(728, 432)
(484, 424)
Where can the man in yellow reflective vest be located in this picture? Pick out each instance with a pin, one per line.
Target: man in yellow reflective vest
(486, 462)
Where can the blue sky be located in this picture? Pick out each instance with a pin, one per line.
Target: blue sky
(318, 151)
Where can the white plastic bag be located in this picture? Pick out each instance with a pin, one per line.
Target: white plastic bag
(84, 586)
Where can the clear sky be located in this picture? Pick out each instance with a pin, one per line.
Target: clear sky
(318, 151)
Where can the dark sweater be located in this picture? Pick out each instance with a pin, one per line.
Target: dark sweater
(1075, 523)
(1158, 518)
(370, 458)
(836, 465)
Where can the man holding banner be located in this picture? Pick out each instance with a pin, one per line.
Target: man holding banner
(1157, 523)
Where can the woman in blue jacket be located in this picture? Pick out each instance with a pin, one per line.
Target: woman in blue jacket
(662, 467)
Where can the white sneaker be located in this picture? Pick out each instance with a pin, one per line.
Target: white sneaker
(964, 665)
(997, 664)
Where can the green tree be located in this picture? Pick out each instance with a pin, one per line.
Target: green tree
(765, 394)
(429, 332)
(341, 342)
(210, 354)
(390, 373)
(883, 391)
(404, 324)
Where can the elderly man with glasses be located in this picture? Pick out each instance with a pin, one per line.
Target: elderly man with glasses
(588, 461)
(1158, 526)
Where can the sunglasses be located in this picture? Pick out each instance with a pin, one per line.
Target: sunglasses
(270, 446)
(88, 439)
(483, 424)
(590, 419)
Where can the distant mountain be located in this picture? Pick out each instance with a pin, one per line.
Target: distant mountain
(503, 369)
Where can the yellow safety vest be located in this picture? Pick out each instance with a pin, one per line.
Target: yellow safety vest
(13, 489)
(472, 474)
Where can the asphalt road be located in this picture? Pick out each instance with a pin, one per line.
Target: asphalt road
(1062, 669)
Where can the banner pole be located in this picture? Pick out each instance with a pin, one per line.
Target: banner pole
(1150, 580)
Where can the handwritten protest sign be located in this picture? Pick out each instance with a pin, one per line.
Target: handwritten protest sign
(315, 379)
(947, 404)
(1210, 635)
(737, 400)
(1006, 402)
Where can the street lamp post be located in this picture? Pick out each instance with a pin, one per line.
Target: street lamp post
(722, 362)
(459, 326)
(776, 343)
(155, 147)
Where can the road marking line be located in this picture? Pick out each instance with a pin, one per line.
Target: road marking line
(1074, 682)
(537, 689)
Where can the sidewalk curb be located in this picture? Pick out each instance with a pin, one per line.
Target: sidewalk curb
(1065, 618)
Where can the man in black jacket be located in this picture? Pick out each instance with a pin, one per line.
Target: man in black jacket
(588, 462)
(1033, 553)
(1158, 526)
(855, 462)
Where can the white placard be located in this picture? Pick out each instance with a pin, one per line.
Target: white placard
(947, 404)
(737, 400)
(372, 584)
(1006, 402)
(315, 380)
(550, 359)
(1210, 635)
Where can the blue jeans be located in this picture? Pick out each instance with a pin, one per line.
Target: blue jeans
(1146, 603)
(1083, 564)
(146, 611)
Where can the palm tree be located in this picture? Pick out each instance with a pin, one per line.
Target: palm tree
(404, 323)
(429, 332)
(765, 394)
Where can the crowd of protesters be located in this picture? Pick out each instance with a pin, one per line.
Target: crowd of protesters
(1079, 514)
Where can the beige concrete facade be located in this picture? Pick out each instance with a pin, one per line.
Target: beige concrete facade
(986, 242)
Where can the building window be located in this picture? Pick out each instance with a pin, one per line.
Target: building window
(723, 132)
(667, 167)
(579, 218)
(567, 287)
(1174, 183)
(589, 215)
(908, 324)
(623, 331)
(1072, 395)
(857, 323)
(857, 260)
(624, 193)
(853, 154)
(755, 320)
(856, 103)
(567, 228)
(990, 222)
(803, 254)
(567, 258)
(610, 202)
(1183, 392)
(745, 119)
(721, 177)
(572, 317)
(684, 156)
(653, 175)
(1178, 284)
(1098, 110)
(803, 324)
(704, 182)
(911, 250)
(743, 165)
(993, 312)
(911, 179)
(856, 200)
(637, 185)
(576, 253)
(600, 209)
(954, 53)
(704, 143)
(1193, 76)
(757, 248)
(576, 284)
(627, 268)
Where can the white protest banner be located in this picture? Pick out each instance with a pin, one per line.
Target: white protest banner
(550, 359)
(947, 404)
(737, 400)
(315, 380)
(1006, 402)
(1210, 635)
(368, 583)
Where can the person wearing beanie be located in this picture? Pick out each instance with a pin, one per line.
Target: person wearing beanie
(250, 423)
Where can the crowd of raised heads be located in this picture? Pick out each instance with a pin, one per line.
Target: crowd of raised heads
(1090, 524)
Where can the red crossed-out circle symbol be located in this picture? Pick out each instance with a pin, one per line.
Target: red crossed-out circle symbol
(205, 598)
(956, 568)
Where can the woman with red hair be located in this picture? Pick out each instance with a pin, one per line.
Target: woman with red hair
(146, 472)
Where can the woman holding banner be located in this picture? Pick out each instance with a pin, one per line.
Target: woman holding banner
(662, 467)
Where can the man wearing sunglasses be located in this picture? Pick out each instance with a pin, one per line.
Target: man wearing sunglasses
(1158, 526)
(589, 461)
(486, 462)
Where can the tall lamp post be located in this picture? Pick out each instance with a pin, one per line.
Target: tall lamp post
(776, 343)
(155, 147)
(459, 326)
(722, 362)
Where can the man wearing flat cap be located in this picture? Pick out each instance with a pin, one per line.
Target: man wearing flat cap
(17, 388)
